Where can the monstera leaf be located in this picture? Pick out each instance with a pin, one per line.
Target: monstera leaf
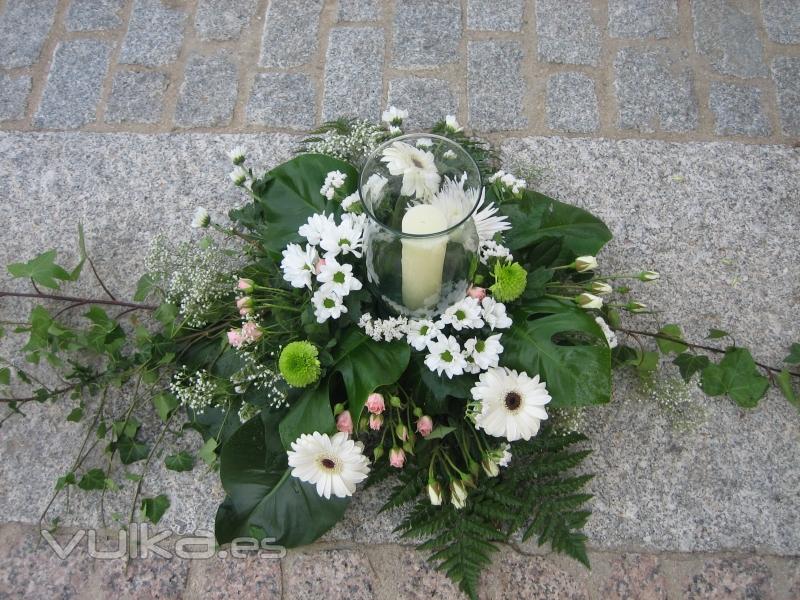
(289, 194)
(566, 348)
(311, 412)
(366, 364)
(537, 217)
(264, 500)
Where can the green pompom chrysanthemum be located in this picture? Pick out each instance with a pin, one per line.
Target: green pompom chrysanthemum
(299, 364)
(510, 281)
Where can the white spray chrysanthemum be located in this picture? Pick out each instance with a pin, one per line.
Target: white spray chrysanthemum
(417, 167)
(334, 465)
(201, 218)
(298, 265)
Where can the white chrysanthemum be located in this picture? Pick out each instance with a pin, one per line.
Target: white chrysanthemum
(505, 460)
(445, 356)
(487, 222)
(237, 155)
(333, 464)
(494, 313)
(514, 184)
(327, 304)
(333, 181)
(611, 337)
(465, 314)
(345, 238)
(298, 265)
(338, 276)
(201, 218)
(394, 116)
(452, 124)
(511, 404)
(491, 249)
(421, 333)
(456, 203)
(449, 154)
(238, 176)
(317, 227)
(420, 176)
(351, 201)
(424, 142)
(484, 354)
(373, 188)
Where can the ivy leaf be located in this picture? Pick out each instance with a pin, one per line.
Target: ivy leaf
(537, 217)
(131, 451)
(262, 494)
(154, 508)
(577, 368)
(164, 403)
(42, 270)
(366, 365)
(667, 346)
(784, 382)
(5, 376)
(68, 479)
(716, 334)
(182, 461)
(143, 288)
(75, 415)
(94, 479)
(688, 364)
(311, 412)
(794, 355)
(647, 362)
(737, 376)
(207, 452)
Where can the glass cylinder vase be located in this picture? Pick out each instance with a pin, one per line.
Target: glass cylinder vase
(420, 192)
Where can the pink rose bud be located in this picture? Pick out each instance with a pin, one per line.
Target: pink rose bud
(246, 285)
(397, 458)
(235, 337)
(318, 267)
(375, 404)
(424, 426)
(476, 292)
(375, 422)
(344, 422)
(251, 332)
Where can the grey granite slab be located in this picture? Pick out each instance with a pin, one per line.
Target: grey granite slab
(282, 100)
(353, 73)
(427, 100)
(155, 34)
(572, 103)
(782, 20)
(136, 97)
(494, 107)
(567, 36)
(495, 15)
(24, 25)
(726, 32)
(358, 10)
(208, 92)
(426, 33)
(786, 74)
(93, 15)
(716, 219)
(643, 18)
(14, 92)
(738, 109)
(290, 33)
(223, 20)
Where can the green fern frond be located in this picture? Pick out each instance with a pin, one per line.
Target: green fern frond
(410, 485)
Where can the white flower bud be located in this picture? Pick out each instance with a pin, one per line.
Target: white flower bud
(636, 307)
(649, 275)
(452, 124)
(589, 301)
(585, 263)
(435, 493)
(601, 288)
(237, 155)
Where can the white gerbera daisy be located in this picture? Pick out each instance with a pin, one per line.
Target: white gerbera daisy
(484, 354)
(339, 277)
(510, 404)
(298, 265)
(494, 313)
(346, 238)
(333, 464)
(464, 314)
(445, 356)
(317, 227)
(421, 333)
(373, 188)
(611, 337)
(201, 218)
(420, 176)
(327, 303)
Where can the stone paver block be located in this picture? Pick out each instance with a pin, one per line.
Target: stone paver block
(208, 92)
(567, 36)
(136, 97)
(426, 100)
(786, 74)
(725, 579)
(222, 579)
(404, 571)
(496, 89)
(737, 110)
(290, 33)
(151, 577)
(728, 36)
(74, 84)
(353, 73)
(653, 90)
(14, 92)
(93, 15)
(782, 20)
(23, 28)
(495, 15)
(223, 20)
(359, 10)
(282, 100)
(328, 574)
(572, 103)
(155, 34)
(513, 575)
(635, 576)
(426, 33)
(643, 18)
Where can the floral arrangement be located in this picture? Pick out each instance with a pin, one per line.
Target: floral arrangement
(384, 305)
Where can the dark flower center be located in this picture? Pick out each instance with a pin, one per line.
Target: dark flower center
(417, 162)
(328, 463)
(513, 400)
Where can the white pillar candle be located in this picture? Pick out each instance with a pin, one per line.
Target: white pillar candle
(423, 258)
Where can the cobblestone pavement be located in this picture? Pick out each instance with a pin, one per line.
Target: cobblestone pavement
(669, 69)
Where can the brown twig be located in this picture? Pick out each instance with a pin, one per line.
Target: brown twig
(78, 300)
(100, 281)
(669, 338)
